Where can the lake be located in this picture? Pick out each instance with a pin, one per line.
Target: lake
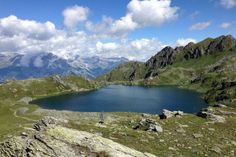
(119, 98)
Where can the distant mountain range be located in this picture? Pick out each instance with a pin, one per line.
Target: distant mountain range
(34, 65)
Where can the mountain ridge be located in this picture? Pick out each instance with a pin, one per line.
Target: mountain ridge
(208, 67)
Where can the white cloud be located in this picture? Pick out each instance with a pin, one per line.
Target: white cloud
(140, 49)
(225, 25)
(152, 12)
(228, 4)
(11, 25)
(105, 46)
(200, 26)
(184, 41)
(74, 15)
(123, 26)
(140, 13)
(68, 44)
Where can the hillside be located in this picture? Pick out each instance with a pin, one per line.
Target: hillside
(16, 95)
(208, 67)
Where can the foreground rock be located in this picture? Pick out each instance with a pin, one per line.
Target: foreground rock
(208, 113)
(53, 140)
(168, 114)
(149, 125)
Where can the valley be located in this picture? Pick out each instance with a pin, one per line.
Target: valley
(207, 67)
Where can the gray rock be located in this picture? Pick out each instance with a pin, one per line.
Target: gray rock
(220, 105)
(180, 130)
(25, 100)
(216, 149)
(168, 114)
(197, 135)
(208, 114)
(22, 110)
(64, 142)
(45, 122)
(149, 125)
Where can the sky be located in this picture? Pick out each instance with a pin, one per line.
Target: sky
(135, 29)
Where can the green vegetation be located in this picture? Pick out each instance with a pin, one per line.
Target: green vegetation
(125, 72)
(178, 137)
(17, 114)
(207, 67)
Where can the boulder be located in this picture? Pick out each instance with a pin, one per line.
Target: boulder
(25, 100)
(168, 114)
(64, 142)
(48, 122)
(220, 105)
(209, 114)
(149, 125)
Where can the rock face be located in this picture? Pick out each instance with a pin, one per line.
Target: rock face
(168, 55)
(52, 140)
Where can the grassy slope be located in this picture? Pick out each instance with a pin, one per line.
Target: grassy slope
(125, 72)
(200, 74)
(176, 140)
(13, 119)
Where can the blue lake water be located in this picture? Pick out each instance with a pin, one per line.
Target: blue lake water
(118, 98)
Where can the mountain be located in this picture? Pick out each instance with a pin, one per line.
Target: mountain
(208, 67)
(23, 66)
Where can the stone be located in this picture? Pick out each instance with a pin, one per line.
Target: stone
(22, 110)
(208, 114)
(233, 143)
(155, 127)
(45, 122)
(220, 105)
(149, 125)
(197, 135)
(168, 114)
(55, 140)
(145, 115)
(180, 130)
(24, 134)
(216, 149)
(25, 100)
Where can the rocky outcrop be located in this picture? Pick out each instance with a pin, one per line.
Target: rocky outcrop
(209, 114)
(52, 139)
(148, 125)
(165, 57)
(168, 114)
(168, 55)
(210, 46)
(25, 100)
(65, 84)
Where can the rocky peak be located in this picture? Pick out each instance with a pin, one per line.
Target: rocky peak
(222, 43)
(209, 46)
(163, 58)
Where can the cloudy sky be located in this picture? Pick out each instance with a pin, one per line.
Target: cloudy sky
(135, 29)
